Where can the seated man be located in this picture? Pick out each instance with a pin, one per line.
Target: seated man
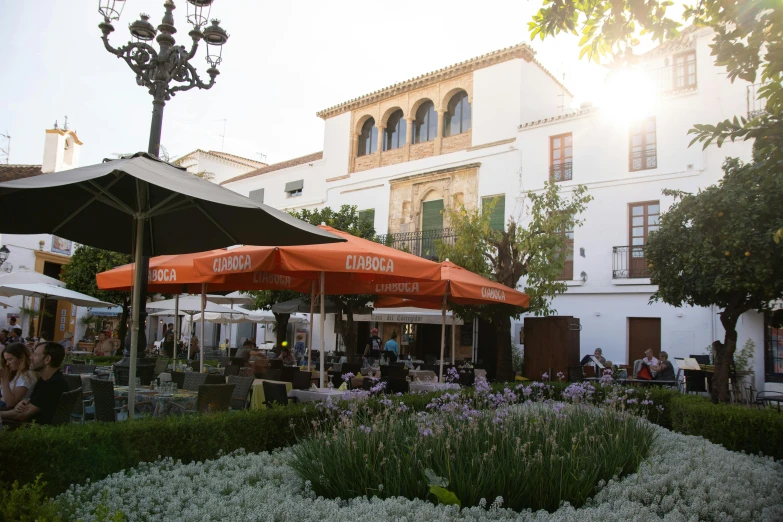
(248, 349)
(46, 360)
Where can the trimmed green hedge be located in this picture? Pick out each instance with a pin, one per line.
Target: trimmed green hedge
(74, 453)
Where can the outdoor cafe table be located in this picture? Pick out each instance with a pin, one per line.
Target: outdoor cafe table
(423, 375)
(641, 382)
(322, 394)
(257, 399)
(432, 386)
(180, 402)
(80, 352)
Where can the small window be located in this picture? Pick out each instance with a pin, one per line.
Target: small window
(497, 220)
(568, 264)
(293, 189)
(425, 126)
(257, 195)
(368, 138)
(367, 216)
(643, 152)
(394, 133)
(561, 150)
(457, 118)
(684, 70)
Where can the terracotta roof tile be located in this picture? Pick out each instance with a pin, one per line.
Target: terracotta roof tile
(566, 116)
(278, 166)
(12, 172)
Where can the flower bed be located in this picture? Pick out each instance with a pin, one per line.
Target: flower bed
(683, 478)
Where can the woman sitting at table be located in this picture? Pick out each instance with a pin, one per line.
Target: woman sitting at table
(664, 369)
(102, 345)
(16, 379)
(287, 357)
(193, 353)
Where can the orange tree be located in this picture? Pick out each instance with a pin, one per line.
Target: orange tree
(715, 247)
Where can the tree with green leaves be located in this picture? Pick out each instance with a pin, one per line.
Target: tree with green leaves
(531, 247)
(714, 248)
(79, 275)
(348, 220)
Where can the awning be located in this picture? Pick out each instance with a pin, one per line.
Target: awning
(408, 316)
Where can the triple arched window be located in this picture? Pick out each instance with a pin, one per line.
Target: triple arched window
(457, 118)
(425, 126)
(394, 133)
(368, 138)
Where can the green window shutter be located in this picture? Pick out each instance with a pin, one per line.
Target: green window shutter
(367, 215)
(497, 221)
(432, 215)
(292, 186)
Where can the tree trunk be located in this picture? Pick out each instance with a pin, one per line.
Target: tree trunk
(281, 330)
(504, 370)
(350, 333)
(723, 355)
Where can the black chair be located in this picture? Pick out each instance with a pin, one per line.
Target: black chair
(353, 368)
(193, 380)
(397, 372)
(195, 365)
(397, 385)
(766, 398)
(238, 361)
(275, 394)
(272, 375)
(77, 369)
(275, 364)
(68, 402)
(78, 361)
(467, 378)
(287, 373)
(80, 410)
(104, 400)
(243, 388)
(224, 361)
(214, 397)
(301, 380)
(178, 378)
(215, 378)
(337, 378)
(231, 370)
(160, 367)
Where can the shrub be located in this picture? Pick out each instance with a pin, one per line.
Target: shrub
(534, 456)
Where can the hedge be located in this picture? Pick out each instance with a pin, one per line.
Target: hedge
(74, 453)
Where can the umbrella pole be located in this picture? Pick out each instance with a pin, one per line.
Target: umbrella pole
(442, 337)
(201, 343)
(310, 340)
(230, 330)
(453, 338)
(41, 317)
(323, 316)
(136, 312)
(177, 326)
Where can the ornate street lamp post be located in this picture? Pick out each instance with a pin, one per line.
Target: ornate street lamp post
(164, 72)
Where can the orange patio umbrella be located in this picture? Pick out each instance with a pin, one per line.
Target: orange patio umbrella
(354, 261)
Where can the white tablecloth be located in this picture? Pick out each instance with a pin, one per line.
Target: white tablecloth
(321, 395)
(433, 386)
(423, 375)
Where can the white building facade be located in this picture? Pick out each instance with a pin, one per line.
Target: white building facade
(497, 126)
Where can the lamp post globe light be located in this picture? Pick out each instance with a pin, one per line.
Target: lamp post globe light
(164, 72)
(167, 70)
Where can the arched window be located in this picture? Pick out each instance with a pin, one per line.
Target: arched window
(394, 133)
(425, 126)
(457, 117)
(368, 139)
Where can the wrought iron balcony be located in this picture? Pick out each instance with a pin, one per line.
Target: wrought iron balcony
(628, 262)
(672, 78)
(643, 159)
(421, 243)
(561, 171)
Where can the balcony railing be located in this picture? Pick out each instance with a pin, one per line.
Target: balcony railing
(422, 243)
(756, 107)
(628, 262)
(561, 171)
(672, 78)
(643, 159)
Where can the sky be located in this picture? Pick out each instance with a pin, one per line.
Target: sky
(283, 62)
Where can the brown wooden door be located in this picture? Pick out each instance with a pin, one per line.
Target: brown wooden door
(551, 346)
(643, 333)
(643, 219)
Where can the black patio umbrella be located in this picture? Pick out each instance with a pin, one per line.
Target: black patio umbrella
(145, 206)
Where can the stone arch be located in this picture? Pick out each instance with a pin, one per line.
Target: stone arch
(389, 112)
(417, 104)
(357, 129)
(444, 102)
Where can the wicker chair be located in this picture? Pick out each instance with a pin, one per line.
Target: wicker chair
(193, 380)
(80, 409)
(246, 372)
(224, 361)
(467, 378)
(231, 370)
(275, 364)
(394, 385)
(68, 402)
(215, 378)
(179, 379)
(287, 373)
(214, 397)
(272, 375)
(241, 391)
(160, 366)
(275, 394)
(195, 365)
(77, 369)
(301, 380)
(104, 400)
